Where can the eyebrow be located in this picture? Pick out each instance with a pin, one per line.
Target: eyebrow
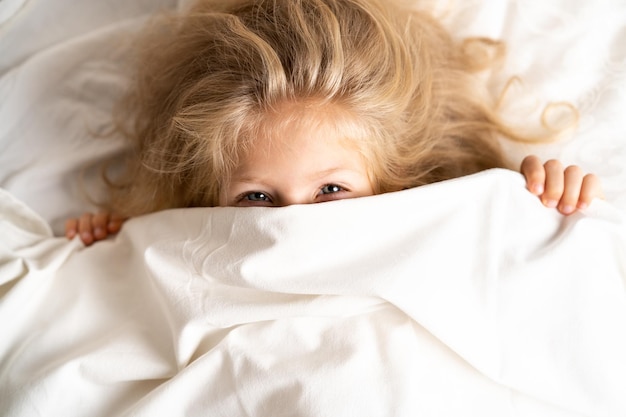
(327, 172)
(315, 176)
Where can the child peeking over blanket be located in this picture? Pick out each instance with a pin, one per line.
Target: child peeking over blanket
(279, 102)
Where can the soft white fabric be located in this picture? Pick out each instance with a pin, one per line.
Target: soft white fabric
(56, 99)
(8, 9)
(367, 307)
(31, 27)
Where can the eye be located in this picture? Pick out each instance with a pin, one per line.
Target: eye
(331, 192)
(253, 199)
(331, 189)
(257, 196)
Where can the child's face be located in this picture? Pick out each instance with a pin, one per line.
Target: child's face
(298, 165)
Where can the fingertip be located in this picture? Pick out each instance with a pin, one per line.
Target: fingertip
(530, 163)
(591, 188)
(87, 238)
(99, 233)
(71, 228)
(534, 172)
(585, 201)
(550, 203)
(115, 224)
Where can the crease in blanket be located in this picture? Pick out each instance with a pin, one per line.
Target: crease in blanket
(9, 8)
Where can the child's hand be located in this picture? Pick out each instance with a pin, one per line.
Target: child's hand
(93, 227)
(567, 189)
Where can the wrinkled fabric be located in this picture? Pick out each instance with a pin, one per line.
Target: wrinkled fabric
(466, 297)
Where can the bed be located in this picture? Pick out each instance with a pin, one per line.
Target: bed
(466, 297)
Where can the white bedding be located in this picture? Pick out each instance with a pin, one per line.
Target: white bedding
(313, 311)
(461, 298)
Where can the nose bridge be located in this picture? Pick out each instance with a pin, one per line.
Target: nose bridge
(295, 195)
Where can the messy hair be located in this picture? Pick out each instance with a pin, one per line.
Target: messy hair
(206, 78)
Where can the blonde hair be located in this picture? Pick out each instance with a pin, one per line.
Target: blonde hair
(206, 79)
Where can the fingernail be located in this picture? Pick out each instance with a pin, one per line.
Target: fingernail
(70, 234)
(550, 203)
(98, 232)
(567, 209)
(582, 206)
(538, 189)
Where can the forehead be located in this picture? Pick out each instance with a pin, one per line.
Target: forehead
(300, 140)
(299, 122)
(315, 144)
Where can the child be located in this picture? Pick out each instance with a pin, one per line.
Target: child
(278, 102)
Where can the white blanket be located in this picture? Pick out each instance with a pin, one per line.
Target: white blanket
(463, 298)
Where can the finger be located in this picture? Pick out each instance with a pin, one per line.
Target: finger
(590, 189)
(534, 172)
(573, 179)
(554, 183)
(99, 223)
(71, 228)
(115, 223)
(85, 229)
